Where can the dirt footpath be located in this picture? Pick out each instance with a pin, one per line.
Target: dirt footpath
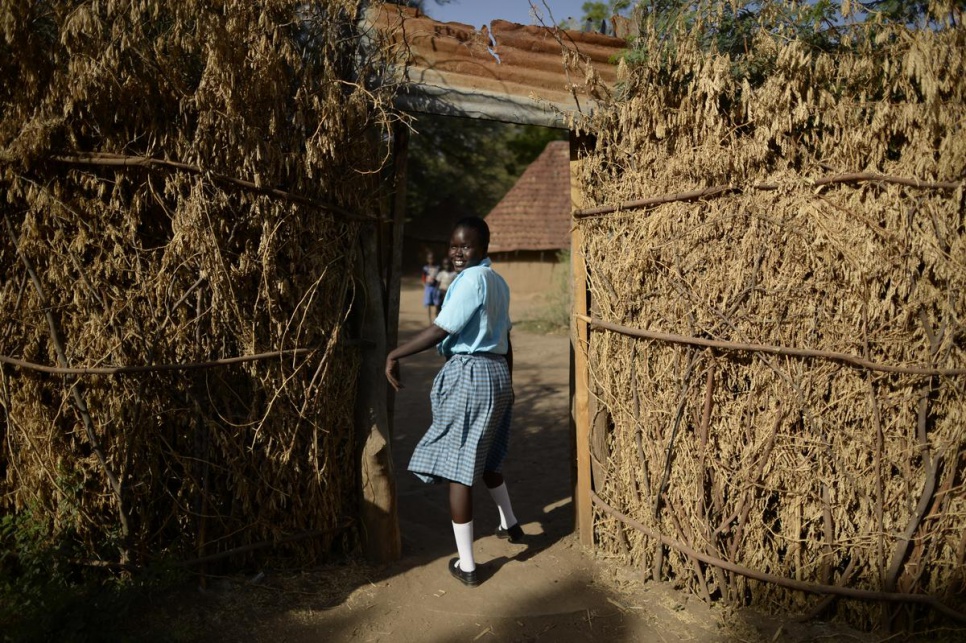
(550, 590)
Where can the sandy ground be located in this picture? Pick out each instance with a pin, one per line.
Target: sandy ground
(552, 589)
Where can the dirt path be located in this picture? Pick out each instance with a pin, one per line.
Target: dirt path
(551, 590)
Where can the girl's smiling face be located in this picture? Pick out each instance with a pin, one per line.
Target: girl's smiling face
(465, 249)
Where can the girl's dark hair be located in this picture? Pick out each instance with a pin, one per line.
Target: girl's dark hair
(478, 224)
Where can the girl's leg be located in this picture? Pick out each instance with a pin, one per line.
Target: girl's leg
(492, 479)
(498, 491)
(461, 513)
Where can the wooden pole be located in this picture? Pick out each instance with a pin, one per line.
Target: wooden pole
(394, 265)
(378, 514)
(580, 372)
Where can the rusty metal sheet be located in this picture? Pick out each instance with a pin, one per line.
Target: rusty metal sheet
(507, 72)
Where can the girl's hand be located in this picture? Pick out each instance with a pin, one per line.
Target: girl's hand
(427, 338)
(392, 373)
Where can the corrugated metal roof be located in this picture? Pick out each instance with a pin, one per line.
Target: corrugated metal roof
(535, 213)
(507, 72)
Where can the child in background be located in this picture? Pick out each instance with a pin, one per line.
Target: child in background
(444, 278)
(472, 396)
(430, 287)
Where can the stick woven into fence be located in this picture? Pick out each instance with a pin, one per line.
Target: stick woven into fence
(852, 360)
(816, 588)
(721, 190)
(145, 368)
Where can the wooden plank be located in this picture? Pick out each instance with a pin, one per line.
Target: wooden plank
(580, 372)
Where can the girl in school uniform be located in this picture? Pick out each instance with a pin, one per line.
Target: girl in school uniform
(472, 395)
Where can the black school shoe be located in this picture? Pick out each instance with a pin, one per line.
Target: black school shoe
(467, 578)
(514, 534)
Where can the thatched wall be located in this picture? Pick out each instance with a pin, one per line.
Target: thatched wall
(184, 186)
(792, 243)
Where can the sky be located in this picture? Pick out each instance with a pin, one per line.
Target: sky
(480, 12)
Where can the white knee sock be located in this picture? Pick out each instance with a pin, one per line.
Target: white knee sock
(464, 545)
(502, 499)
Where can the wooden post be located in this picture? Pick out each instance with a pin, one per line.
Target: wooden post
(378, 514)
(381, 269)
(400, 154)
(394, 265)
(580, 373)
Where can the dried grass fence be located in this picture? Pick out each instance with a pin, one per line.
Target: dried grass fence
(185, 184)
(778, 323)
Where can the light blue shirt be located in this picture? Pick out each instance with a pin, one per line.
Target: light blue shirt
(476, 313)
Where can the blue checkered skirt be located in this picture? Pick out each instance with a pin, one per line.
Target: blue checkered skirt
(472, 402)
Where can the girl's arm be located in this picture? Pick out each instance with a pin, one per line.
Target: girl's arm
(427, 338)
(509, 356)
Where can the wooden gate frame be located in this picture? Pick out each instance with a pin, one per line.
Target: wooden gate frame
(508, 73)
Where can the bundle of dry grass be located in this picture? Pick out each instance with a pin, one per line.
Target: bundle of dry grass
(779, 366)
(185, 184)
